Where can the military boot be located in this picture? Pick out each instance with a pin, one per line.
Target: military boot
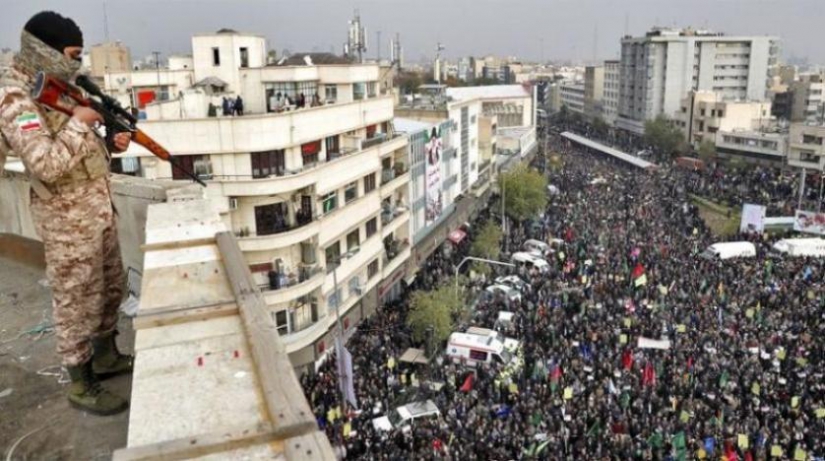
(107, 361)
(86, 393)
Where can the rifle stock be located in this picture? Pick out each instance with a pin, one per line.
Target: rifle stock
(159, 151)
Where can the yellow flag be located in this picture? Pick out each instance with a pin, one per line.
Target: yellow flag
(331, 415)
(391, 363)
(568, 393)
(681, 328)
(628, 322)
(701, 454)
(347, 429)
(743, 441)
(756, 388)
(780, 354)
(820, 413)
(749, 313)
(513, 388)
(403, 378)
(685, 416)
(776, 451)
(794, 402)
(623, 339)
(338, 412)
(799, 455)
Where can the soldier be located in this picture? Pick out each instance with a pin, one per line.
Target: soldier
(71, 205)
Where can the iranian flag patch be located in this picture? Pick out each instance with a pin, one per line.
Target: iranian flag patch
(28, 121)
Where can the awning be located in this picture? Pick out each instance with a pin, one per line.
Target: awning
(457, 236)
(413, 355)
(212, 81)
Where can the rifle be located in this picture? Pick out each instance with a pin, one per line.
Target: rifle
(48, 91)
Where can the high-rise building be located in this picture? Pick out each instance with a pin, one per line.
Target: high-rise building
(659, 69)
(593, 91)
(610, 93)
(571, 96)
(109, 57)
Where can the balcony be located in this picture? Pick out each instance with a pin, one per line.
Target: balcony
(395, 254)
(286, 287)
(285, 236)
(391, 220)
(392, 178)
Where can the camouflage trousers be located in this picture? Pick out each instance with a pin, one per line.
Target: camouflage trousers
(83, 265)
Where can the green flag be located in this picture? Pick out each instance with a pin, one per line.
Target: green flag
(679, 440)
(655, 440)
(723, 379)
(595, 429)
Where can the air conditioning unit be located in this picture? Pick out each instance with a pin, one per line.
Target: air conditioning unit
(233, 203)
(203, 169)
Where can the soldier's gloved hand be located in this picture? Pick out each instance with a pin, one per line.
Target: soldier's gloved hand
(88, 116)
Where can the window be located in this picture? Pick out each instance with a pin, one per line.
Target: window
(371, 89)
(351, 192)
(720, 113)
(353, 240)
(369, 183)
(359, 90)
(216, 56)
(269, 163)
(333, 145)
(372, 227)
(372, 269)
(371, 129)
(187, 163)
(355, 286)
(330, 93)
(481, 356)
(244, 57)
(271, 219)
(309, 152)
(291, 91)
(330, 201)
(126, 165)
(332, 255)
(281, 322)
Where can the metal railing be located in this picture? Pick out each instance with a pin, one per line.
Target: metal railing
(290, 280)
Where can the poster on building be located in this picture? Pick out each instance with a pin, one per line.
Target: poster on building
(753, 219)
(432, 174)
(809, 222)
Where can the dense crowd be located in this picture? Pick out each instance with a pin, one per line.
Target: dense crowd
(740, 378)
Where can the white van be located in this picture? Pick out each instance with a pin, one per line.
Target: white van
(473, 349)
(510, 344)
(404, 415)
(531, 261)
(801, 247)
(537, 247)
(728, 250)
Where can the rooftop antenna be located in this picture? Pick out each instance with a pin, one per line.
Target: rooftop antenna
(438, 49)
(105, 22)
(378, 46)
(357, 38)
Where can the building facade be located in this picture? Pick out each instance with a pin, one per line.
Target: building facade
(610, 93)
(109, 57)
(312, 178)
(659, 69)
(571, 95)
(593, 91)
(703, 113)
(757, 147)
(808, 102)
(806, 146)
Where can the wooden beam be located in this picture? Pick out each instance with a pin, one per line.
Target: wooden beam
(221, 442)
(285, 401)
(171, 316)
(176, 244)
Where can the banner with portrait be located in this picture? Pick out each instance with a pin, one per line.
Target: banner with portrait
(432, 173)
(809, 222)
(753, 219)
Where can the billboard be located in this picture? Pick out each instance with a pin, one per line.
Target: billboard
(432, 176)
(809, 222)
(753, 219)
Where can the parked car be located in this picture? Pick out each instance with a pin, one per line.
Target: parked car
(404, 416)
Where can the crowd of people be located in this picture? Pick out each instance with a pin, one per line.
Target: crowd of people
(635, 347)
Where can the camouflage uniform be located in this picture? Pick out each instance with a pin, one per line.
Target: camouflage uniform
(71, 203)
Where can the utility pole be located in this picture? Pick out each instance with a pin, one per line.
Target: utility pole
(482, 260)
(157, 75)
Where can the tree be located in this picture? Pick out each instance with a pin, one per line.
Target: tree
(408, 82)
(486, 245)
(435, 309)
(707, 151)
(600, 127)
(524, 191)
(663, 136)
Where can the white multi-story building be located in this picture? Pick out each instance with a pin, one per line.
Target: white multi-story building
(758, 147)
(808, 100)
(593, 91)
(703, 113)
(610, 94)
(659, 69)
(572, 96)
(312, 178)
(806, 146)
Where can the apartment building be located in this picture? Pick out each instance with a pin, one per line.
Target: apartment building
(593, 91)
(807, 100)
(610, 93)
(109, 57)
(571, 95)
(806, 148)
(703, 113)
(659, 69)
(312, 178)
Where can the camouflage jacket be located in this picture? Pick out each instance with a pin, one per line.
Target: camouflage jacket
(57, 150)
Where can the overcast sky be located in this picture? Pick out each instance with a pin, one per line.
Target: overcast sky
(566, 28)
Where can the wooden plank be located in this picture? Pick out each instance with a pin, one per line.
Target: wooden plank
(167, 245)
(223, 441)
(175, 315)
(282, 393)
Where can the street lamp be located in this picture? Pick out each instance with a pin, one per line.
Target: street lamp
(470, 258)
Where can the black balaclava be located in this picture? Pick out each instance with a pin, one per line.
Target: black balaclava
(54, 30)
